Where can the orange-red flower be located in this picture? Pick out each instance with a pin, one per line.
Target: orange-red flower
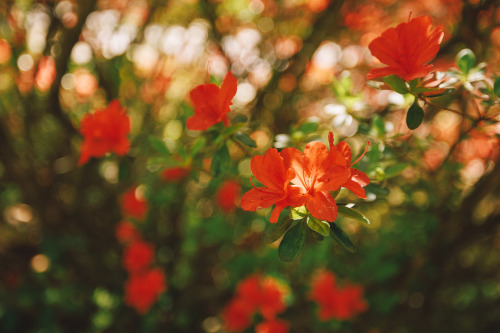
(105, 131)
(271, 172)
(211, 103)
(175, 174)
(237, 315)
(133, 206)
(334, 302)
(138, 256)
(406, 49)
(126, 232)
(227, 195)
(143, 289)
(317, 173)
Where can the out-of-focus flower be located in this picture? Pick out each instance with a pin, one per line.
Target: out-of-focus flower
(211, 103)
(334, 302)
(105, 131)
(126, 232)
(273, 326)
(406, 49)
(132, 205)
(138, 256)
(175, 174)
(271, 172)
(5, 51)
(255, 294)
(143, 289)
(227, 195)
(45, 74)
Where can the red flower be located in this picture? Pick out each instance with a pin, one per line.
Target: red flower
(133, 206)
(175, 174)
(273, 326)
(406, 49)
(317, 172)
(336, 303)
(237, 315)
(143, 289)
(138, 256)
(105, 131)
(227, 195)
(211, 103)
(126, 232)
(271, 172)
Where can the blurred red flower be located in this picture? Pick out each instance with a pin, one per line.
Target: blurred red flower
(175, 174)
(105, 131)
(138, 256)
(334, 302)
(133, 205)
(143, 289)
(255, 294)
(271, 172)
(227, 195)
(211, 103)
(406, 49)
(126, 232)
(273, 326)
(45, 74)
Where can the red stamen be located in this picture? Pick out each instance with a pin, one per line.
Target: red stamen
(367, 144)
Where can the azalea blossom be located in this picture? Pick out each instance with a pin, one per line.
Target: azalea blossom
(132, 205)
(126, 232)
(271, 172)
(138, 256)
(406, 49)
(143, 289)
(226, 196)
(211, 103)
(335, 302)
(105, 131)
(273, 326)
(175, 174)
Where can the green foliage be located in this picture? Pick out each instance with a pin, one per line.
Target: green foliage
(415, 116)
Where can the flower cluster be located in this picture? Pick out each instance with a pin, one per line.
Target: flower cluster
(105, 131)
(145, 283)
(227, 195)
(293, 178)
(257, 294)
(340, 303)
(406, 49)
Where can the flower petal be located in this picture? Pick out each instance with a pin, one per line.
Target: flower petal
(322, 206)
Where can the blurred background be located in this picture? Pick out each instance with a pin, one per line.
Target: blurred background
(428, 261)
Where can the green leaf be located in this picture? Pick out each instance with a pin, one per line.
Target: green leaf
(415, 116)
(220, 161)
(341, 237)
(377, 190)
(298, 213)
(239, 118)
(308, 127)
(466, 60)
(245, 139)
(276, 230)
(395, 170)
(396, 83)
(378, 125)
(496, 86)
(321, 227)
(197, 145)
(231, 129)
(292, 243)
(353, 214)
(158, 145)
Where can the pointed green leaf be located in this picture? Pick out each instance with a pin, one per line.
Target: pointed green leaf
(353, 214)
(415, 116)
(245, 139)
(395, 170)
(377, 190)
(231, 129)
(496, 86)
(198, 144)
(220, 161)
(396, 83)
(308, 127)
(341, 237)
(158, 145)
(466, 60)
(298, 213)
(276, 230)
(321, 227)
(239, 118)
(292, 243)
